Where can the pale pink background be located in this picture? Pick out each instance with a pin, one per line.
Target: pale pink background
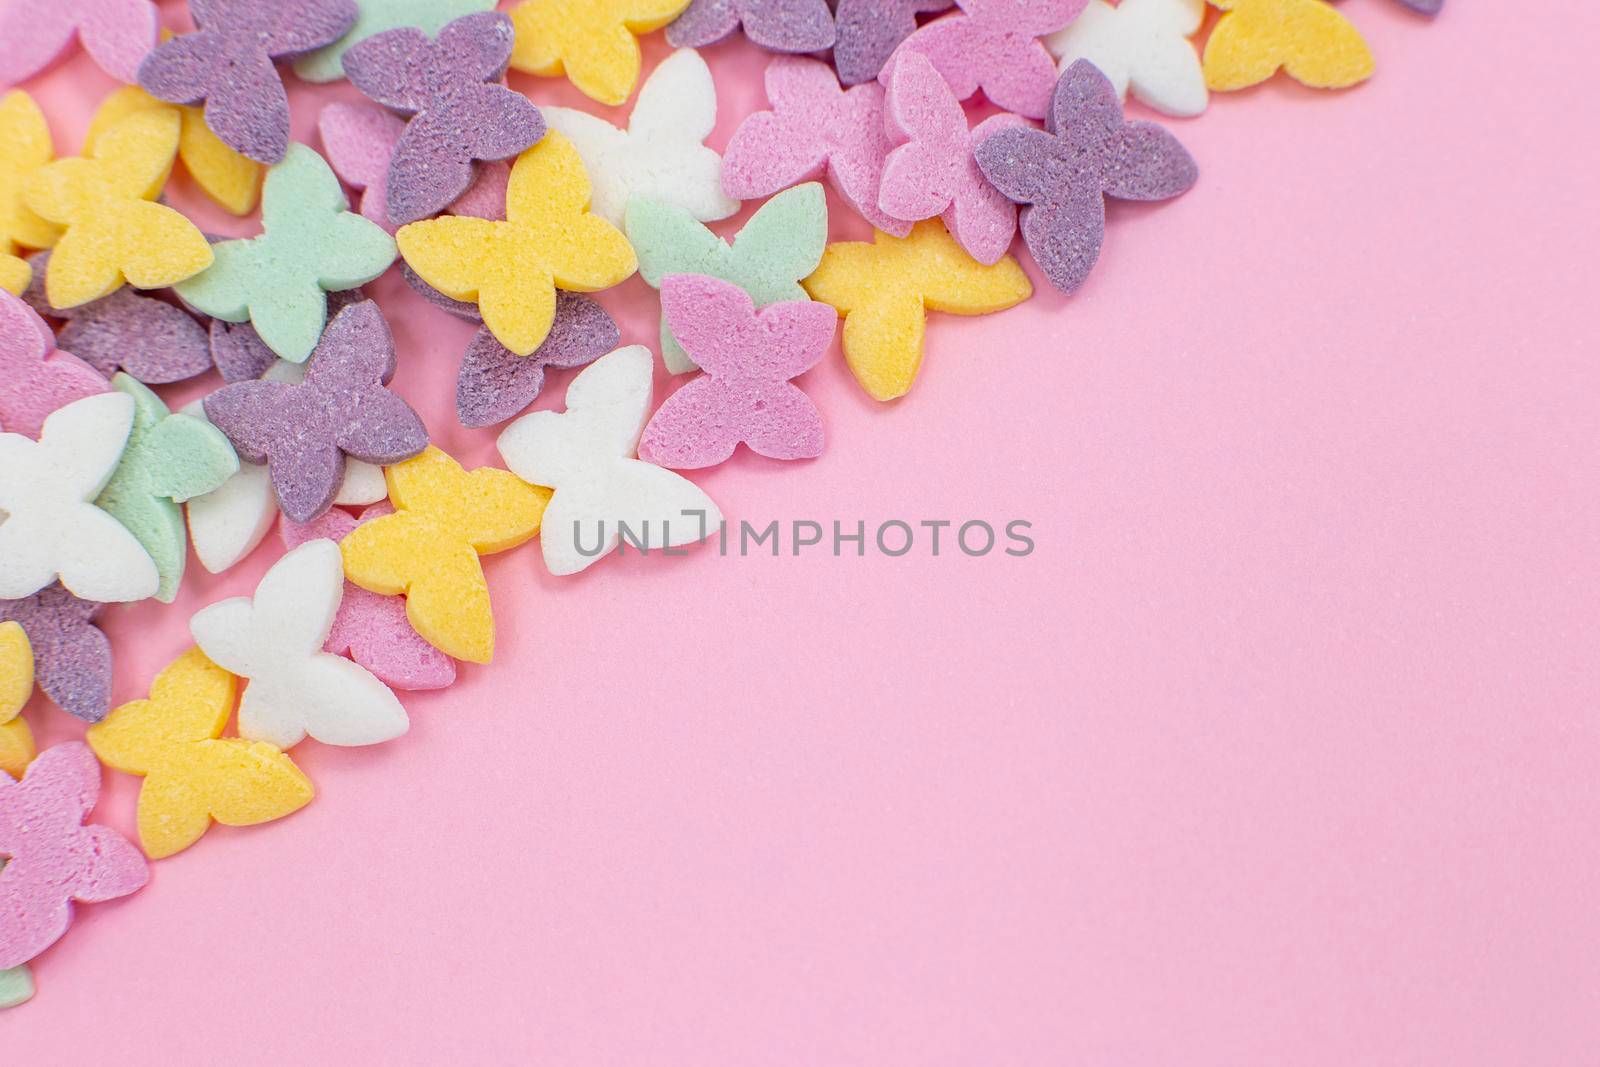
(1282, 749)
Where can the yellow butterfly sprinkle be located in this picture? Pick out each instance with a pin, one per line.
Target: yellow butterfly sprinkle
(885, 289)
(592, 42)
(1314, 44)
(512, 269)
(114, 232)
(445, 518)
(16, 686)
(193, 775)
(232, 180)
(24, 148)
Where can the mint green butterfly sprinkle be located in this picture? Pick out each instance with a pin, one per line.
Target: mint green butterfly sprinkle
(313, 245)
(782, 243)
(379, 16)
(16, 987)
(169, 459)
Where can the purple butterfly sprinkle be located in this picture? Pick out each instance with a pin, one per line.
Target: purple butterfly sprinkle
(495, 383)
(155, 342)
(71, 657)
(797, 26)
(227, 64)
(1065, 173)
(870, 30)
(240, 354)
(458, 115)
(303, 432)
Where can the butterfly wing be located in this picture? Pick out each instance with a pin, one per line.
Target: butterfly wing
(363, 484)
(488, 263)
(49, 381)
(222, 291)
(801, 26)
(16, 670)
(647, 497)
(677, 110)
(494, 383)
(153, 341)
(172, 812)
(694, 427)
(228, 523)
(883, 342)
(249, 109)
(1329, 52)
(377, 634)
(356, 351)
(1151, 164)
(191, 458)
(251, 415)
(35, 35)
(869, 30)
(610, 159)
(669, 240)
(781, 244)
(246, 784)
(345, 705)
(1165, 71)
(1314, 43)
(607, 407)
(583, 251)
(42, 910)
(190, 700)
(26, 137)
(393, 68)
(305, 208)
(72, 664)
(926, 121)
(487, 197)
(430, 170)
(678, 102)
(119, 35)
(359, 140)
(791, 337)
(772, 150)
(295, 602)
(790, 426)
(704, 22)
(158, 247)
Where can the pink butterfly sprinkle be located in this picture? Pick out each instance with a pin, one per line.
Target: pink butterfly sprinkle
(117, 35)
(813, 124)
(54, 859)
(933, 172)
(993, 45)
(745, 394)
(371, 629)
(359, 141)
(36, 378)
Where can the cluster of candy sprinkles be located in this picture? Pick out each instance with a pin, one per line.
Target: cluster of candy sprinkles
(502, 213)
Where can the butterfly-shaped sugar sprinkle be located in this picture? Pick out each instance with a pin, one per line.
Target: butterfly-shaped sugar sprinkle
(305, 431)
(457, 115)
(227, 64)
(745, 394)
(586, 455)
(800, 26)
(1065, 174)
(53, 859)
